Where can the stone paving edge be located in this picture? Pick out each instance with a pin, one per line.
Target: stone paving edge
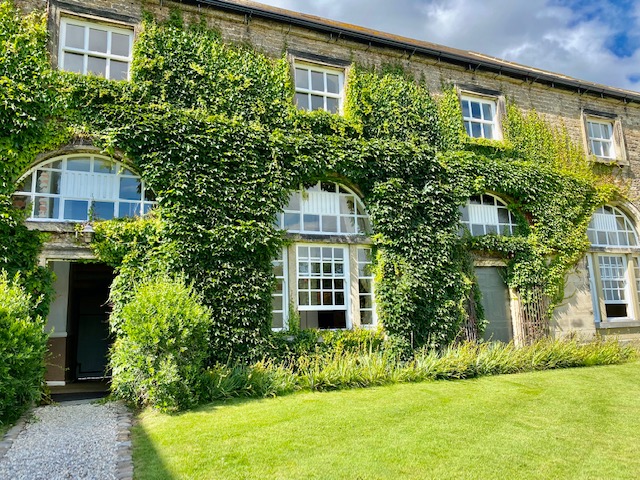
(13, 432)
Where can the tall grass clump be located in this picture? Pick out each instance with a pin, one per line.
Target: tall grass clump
(365, 366)
(23, 345)
(162, 345)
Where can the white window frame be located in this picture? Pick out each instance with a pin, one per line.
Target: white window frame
(281, 261)
(86, 52)
(108, 192)
(615, 138)
(610, 223)
(341, 205)
(486, 214)
(309, 91)
(469, 119)
(598, 143)
(367, 277)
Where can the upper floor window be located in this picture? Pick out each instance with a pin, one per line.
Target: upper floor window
(82, 187)
(88, 47)
(601, 139)
(325, 208)
(485, 214)
(479, 116)
(610, 227)
(604, 138)
(319, 88)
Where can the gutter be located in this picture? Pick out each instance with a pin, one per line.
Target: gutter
(469, 60)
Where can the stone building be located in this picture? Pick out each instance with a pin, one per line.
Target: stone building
(602, 293)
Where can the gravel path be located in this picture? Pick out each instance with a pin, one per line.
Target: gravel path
(71, 441)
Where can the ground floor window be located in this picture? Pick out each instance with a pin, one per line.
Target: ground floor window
(615, 286)
(327, 286)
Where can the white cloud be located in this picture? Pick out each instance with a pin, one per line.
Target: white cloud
(572, 41)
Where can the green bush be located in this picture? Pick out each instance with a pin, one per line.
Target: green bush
(162, 345)
(292, 344)
(23, 344)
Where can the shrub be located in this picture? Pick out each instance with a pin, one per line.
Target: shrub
(162, 345)
(290, 345)
(23, 344)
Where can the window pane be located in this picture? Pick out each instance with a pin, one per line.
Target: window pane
(292, 221)
(120, 44)
(317, 81)
(97, 40)
(333, 85)
(347, 225)
(103, 210)
(302, 78)
(76, 210)
(130, 189)
(329, 224)
(476, 130)
(104, 166)
(333, 105)
(302, 101)
(477, 230)
(317, 102)
(366, 318)
(276, 320)
(467, 127)
(26, 184)
(312, 223)
(487, 111)
(79, 164)
(465, 108)
(118, 70)
(303, 298)
(475, 110)
(46, 207)
(72, 62)
(48, 182)
(74, 36)
(97, 66)
(127, 209)
(488, 131)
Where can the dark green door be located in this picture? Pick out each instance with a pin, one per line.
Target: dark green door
(495, 301)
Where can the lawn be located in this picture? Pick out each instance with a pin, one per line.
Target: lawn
(574, 423)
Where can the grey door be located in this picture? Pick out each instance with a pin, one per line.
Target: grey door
(495, 302)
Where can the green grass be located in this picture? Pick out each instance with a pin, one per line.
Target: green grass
(574, 423)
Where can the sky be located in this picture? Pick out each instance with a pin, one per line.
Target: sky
(593, 40)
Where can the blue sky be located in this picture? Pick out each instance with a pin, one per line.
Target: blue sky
(598, 41)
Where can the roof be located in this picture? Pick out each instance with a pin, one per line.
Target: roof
(465, 58)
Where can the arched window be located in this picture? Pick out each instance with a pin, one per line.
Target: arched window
(82, 187)
(614, 265)
(325, 208)
(327, 280)
(610, 227)
(485, 214)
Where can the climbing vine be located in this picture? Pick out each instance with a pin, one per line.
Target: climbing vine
(213, 131)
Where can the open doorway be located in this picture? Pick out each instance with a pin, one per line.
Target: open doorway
(88, 338)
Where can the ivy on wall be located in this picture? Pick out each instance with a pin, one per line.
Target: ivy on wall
(213, 131)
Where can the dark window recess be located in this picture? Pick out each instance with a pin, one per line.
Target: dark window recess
(616, 310)
(332, 319)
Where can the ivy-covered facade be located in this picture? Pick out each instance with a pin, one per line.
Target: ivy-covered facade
(304, 173)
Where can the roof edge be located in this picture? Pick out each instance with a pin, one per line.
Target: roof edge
(469, 60)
